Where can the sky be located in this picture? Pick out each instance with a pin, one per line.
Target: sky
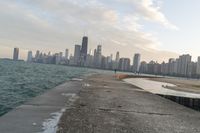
(158, 29)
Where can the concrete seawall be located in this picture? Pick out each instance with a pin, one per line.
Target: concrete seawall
(42, 113)
(101, 104)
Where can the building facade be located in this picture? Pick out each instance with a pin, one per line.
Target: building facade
(77, 53)
(16, 54)
(30, 56)
(136, 63)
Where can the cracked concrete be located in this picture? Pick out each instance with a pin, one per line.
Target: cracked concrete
(109, 105)
(130, 111)
(102, 104)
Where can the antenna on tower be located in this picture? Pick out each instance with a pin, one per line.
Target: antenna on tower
(85, 33)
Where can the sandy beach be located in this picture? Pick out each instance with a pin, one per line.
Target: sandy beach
(182, 84)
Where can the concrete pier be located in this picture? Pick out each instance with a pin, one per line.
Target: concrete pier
(108, 105)
(102, 104)
(40, 115)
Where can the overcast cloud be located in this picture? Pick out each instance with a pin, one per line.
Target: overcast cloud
(53, 25)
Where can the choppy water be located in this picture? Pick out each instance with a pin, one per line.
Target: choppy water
(20, 81)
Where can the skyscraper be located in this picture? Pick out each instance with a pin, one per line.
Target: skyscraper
(143, 67)
(37, 54)
(117, 57)
(84, 50)
(98, 56)
(183, 64)
(124, 64)
(66, 53)
(116, 62)
(16, 54)
(95, 58)
(77, 53)
(30, 56)
(171, 66)
(58, 58)
(136, 63)
(198, 66)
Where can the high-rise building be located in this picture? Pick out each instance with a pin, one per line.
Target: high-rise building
(164, 68)
(30, 56)
(37, 55)
(77, 53)
(89, 61)
(175, 71)
(183, 63)
(124, 64)
(66, 53)
(171, 66)
(143, 67)
(107, 63)
(71, 60)
(84, 50)
(136, 63)
(192, 69)
(116, 62)
(90, 52)
(58, 58)
(98, 56)
(95, 58)
(117, 57)
(16, 54)
(157, 68)
(150, 67)
(103, 62)
(111, 58)
(198, 66)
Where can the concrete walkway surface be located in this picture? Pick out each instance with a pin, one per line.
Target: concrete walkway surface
(100, 104)
(108, 105)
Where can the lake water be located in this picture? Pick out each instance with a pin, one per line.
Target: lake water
(20, 81)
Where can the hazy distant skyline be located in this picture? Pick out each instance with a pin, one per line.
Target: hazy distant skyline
(157, 29)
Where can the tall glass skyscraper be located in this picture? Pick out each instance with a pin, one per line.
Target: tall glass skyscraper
(84, 50)
(30, 56)
(136, 63)
(77, 54)
(16, 54)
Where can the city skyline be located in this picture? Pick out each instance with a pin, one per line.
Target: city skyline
(149, 27)
(77, 53)
(182, 66)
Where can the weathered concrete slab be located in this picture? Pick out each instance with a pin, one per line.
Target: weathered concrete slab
(107, 105)
(29, 117)
(104, 105)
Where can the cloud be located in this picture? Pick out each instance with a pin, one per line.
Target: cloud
(151, 11)
(56, 25)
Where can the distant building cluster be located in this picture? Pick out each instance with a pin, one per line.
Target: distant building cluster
(182, 66)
